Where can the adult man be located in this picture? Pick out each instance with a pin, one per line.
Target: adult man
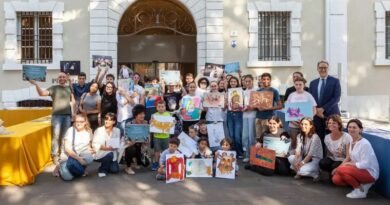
(291, 89)
(326, 90)
(61, 112)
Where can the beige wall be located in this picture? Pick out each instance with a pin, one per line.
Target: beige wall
(312, 37)
(364, 77)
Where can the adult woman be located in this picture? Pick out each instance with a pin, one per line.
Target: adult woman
(134, 151)
(77, 143)
(337, 145)
(308, 152)
(249, 118)
(106, 141)
(190, 107)
(90, 104)
(109, 102)
(234, 120)
(360, 169)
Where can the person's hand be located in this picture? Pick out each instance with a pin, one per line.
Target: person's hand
(33, 82)
(135, 94)
(258, 145)
(320, 112)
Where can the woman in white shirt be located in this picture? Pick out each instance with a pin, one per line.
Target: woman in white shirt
(106, 141)
(360, 170)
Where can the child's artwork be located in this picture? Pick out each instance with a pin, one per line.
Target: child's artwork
(126, 84)
(232, 67)
(170, 77)
(124, 72)
(216, 133)
(162, 124)
(226, 164)
(261, 99)
(280, 146)
(213, 70)
(101, 61)
(298, 110)
(137, 132)
(174, 169)
(152, 89)
(188, 146)
(151, 101)
(199, 168)
(235, 99)
(33, 72)
(262, 157)
(213, 99)
(70, 67)
(190, 108)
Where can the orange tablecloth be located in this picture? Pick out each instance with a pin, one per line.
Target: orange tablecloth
(23, 114)
(25, 152)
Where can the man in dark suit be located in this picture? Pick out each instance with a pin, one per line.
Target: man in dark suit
(326, 90)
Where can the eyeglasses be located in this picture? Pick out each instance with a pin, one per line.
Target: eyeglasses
(322, 68)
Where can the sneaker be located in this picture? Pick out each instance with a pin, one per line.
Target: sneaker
(129, 171)
(246, 160)
(160, 177)
(102, 174)
(356, 194)
(366, 187)
(155, 166)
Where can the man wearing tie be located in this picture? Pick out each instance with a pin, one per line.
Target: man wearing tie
(326, 90)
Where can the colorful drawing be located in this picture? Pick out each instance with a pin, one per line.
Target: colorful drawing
(190, 108)
(262, 157)
(226, 164)
(188, 146)
(126, 84)
(235, 99)
(298, 110)
(151, 101)
(170, 77)
(215, 133)
(261, 99)
(213, 70)
(162, 124)
(33, 72)
(137, 132)
(174, 170)
(281, 147)
(101, 61)
(70, 67)
(152, 89)
(124, 72)
(199, 168)
(232, 67)
(213, 100)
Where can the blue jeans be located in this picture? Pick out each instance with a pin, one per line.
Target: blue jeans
(234, 123)
(108, 165)
(248, 134)
(59, 126)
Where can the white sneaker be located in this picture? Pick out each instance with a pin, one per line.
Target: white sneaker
(245, 160)
(102, 174)
(366, 187)
(356, 194)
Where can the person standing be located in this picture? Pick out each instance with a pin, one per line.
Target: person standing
(61, 114)
(292, 89)
(249, 118)
(90, 105)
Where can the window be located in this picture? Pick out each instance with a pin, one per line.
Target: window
(35, 37)
(274, 36)
(387, 35)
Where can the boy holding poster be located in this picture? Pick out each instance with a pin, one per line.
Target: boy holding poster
(172, 149)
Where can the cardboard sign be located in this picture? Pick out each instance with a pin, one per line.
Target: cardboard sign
(199, 168)
(262, 157)
(261, 99)
(174, 169)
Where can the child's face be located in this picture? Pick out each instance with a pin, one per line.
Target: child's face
(203, 128)
(225, 146)
(202, 145)
(161, 107)
(266, 81)
(273, 126)
(172, 148)
(192, 133)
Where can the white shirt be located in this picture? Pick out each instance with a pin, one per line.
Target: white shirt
(364, 157)
(101, 138)
(337, 148)
(124, 108)
(81, 140)
(247, 96)
(300, 97)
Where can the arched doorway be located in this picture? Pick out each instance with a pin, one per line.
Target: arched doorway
(157, 35)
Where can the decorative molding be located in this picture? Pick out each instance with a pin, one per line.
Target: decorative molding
(11, 44)
(253, 9)
(381, 8)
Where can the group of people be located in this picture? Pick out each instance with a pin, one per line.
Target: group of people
(99, 113)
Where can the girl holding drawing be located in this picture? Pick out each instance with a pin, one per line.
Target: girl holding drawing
(189, 111)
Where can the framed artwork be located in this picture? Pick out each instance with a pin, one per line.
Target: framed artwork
(226, 164)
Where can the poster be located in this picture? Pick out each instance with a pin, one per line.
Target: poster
(213, 70)
(213, 100)
(235, 98)
(33, 72)
(188, 146)
(226, 164)
(126, 84)
(216, 133)
(162, 124)
(190, 108)
(298, 110)
(261, 99)
(101, 61)
(152, 89)
(232, 67)
(281, 147)
(124, 72)
(70, 67)
(262, 157)
(199, 168)
(174, 169)
(170, 77)
(137, 132)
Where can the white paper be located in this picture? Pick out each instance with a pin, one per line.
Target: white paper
(187, 146)
(199, 167)
(216, 133)
(226, 164)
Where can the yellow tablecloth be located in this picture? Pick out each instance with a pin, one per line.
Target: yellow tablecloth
(23, 114)
(25, 152)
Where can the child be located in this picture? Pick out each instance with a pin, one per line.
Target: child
(202, 129)
(203, 149)
(193, 133)
(172, 149)
(226, 145)
(160, 140)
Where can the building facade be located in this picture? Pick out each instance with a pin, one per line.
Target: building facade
(276, 36)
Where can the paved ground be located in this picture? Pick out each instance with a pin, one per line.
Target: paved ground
(142, 188)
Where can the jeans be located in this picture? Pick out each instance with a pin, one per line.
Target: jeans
(248, 134)
(59, 126)
(234, 123)
(108, 165)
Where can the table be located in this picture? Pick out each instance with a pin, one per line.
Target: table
(25, 152)
(23, 114)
